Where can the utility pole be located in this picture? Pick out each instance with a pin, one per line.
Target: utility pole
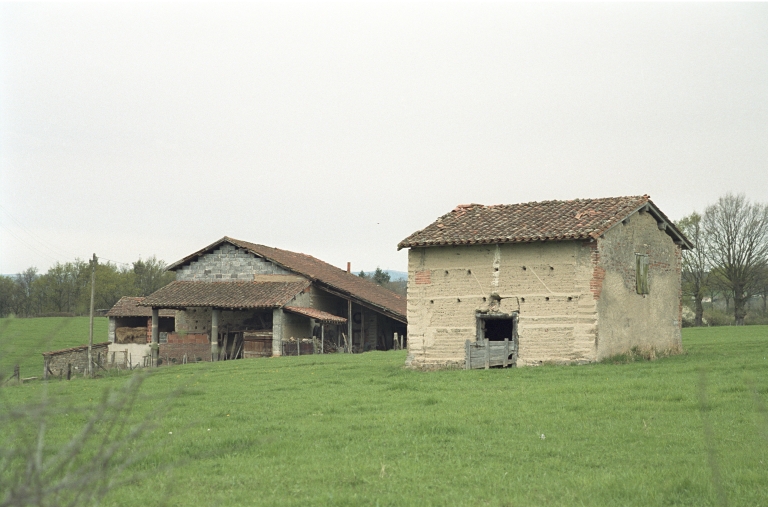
(94, 262)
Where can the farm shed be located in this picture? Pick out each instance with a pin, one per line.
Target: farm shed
(564, 281)
(130, 329)
(238, 299)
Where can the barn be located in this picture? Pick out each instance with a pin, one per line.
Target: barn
(570, 281)
(235, 299)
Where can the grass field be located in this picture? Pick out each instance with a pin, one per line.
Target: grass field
(22, 341)
(362, 430)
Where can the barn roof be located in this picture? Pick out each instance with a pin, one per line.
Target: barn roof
(129, 307)
(235, 295)
(578, 219)
(316, 314)
(325, 275)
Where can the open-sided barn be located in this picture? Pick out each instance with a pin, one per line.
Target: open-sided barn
(239, 299)
(562, 281)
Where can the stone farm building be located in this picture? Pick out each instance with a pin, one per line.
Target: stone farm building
(239, 299)
(566, 281)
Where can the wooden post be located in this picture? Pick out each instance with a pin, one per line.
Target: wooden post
(349, 325)
(298, 346)
(45, 368)
(506, 352)
(113, 358)
(362, 329)
(90, 334)
(214, 334)
(467, 355)
(322, 338)
(487, 354)
(17, 373)
(155, 345)
(69, 371)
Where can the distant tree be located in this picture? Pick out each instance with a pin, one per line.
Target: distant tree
(150, 275)
(362, 274)
(737, 238)
(7, 287)
(696, 268)
(380, 277)
(23, 297)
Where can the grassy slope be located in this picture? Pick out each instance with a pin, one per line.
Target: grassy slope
(22, 341)
(350, 430)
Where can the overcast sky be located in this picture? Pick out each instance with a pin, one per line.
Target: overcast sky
(339, 129)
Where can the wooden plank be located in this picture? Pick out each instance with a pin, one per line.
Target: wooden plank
(487, 354)
(467, 355)
(506, 351)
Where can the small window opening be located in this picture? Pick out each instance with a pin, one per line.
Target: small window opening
(641, 273)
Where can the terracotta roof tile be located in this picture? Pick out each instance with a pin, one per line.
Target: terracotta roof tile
(577, 219)
(185, 294)
(129, 307)
(320, 272)
(316, 314)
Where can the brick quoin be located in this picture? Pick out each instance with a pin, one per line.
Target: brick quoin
(423, 277)
(598, 273)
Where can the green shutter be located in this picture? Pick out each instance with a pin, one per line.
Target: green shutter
(641, 273)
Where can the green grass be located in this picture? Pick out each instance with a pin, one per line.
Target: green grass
(23, 341)
(362, 430)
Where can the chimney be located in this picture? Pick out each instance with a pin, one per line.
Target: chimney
(349, 267)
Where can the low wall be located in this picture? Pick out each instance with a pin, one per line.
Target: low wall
(128, 354)
(57, 362)
(173, 353)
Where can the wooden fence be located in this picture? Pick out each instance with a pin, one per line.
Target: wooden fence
(487, 353)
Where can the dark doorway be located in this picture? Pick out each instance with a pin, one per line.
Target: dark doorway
(498, 329)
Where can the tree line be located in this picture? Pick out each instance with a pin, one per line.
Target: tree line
(65, 289)
(730, 258)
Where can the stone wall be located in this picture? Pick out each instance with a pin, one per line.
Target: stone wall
(57, 362)
(547, 283)
(628, 319)
(228, 263)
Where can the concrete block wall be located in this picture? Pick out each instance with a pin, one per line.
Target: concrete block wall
(228, 263)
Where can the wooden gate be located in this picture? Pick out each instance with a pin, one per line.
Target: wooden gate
(487, 353)
(257, 344)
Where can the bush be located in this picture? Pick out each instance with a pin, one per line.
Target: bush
(717, 317)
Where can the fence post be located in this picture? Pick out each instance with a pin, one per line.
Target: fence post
(487, 354)
(467, 355)
(506, 352)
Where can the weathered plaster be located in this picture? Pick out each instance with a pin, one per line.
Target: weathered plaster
(577, 301)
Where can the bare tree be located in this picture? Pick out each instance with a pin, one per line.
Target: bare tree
(696, 269)
(737, 245)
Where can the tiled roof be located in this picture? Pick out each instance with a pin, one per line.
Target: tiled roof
(578, 219)
(129, 307)
(185, 294)
(316, 314)
(102, 345)
(321, 272)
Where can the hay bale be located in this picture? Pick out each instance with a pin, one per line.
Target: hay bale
(131, 335)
